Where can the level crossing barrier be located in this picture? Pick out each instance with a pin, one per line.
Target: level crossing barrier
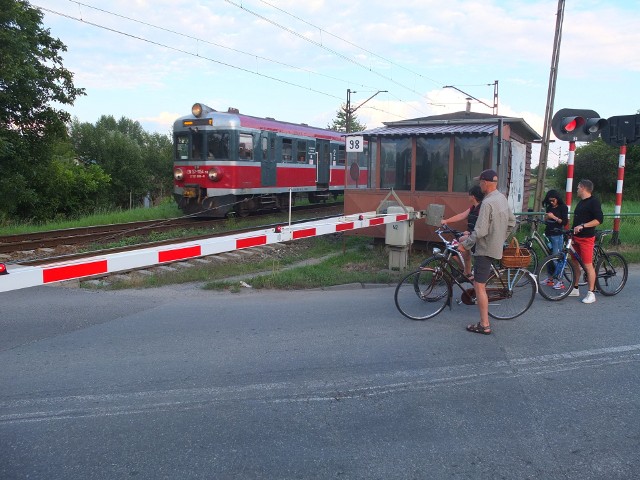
(16, 277)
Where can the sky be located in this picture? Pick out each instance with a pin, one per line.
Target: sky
(295, 60)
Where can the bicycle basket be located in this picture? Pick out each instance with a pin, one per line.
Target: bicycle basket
(515, 257)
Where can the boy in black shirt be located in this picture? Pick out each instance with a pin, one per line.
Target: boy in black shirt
(587, 216)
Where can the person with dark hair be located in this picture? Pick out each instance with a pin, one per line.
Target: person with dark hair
(587, 216)
(557, 220)
(471, 215)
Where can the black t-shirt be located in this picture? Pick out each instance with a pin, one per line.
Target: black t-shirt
(587, 210)
(473, 217)
(553, 227)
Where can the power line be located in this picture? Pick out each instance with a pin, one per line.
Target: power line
(318, 44)
(136, 37)
(197, 55)
(198, 39)
(350, 43)
(277, 62)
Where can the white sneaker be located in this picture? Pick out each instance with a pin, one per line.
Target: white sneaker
(589, 298)
(574, 292)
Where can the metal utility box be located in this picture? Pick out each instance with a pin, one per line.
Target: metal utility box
(399, 234)
(435, 213)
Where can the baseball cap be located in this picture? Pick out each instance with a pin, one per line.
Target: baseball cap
(487, 175)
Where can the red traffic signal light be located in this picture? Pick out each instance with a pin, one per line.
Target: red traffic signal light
(569, 124)
(579, 125)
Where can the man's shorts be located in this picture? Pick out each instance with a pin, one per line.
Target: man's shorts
(482, 268)
(584, 247)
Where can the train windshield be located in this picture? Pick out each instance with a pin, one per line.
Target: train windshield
(202, 145)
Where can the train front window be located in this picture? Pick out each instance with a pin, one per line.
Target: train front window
(182, 146)
(217, 145)
(197, 142)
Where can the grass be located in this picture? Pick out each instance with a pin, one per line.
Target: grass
(360, 261)
(167, 209)
(359, 264)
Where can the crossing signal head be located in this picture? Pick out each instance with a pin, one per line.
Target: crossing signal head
(579, 125)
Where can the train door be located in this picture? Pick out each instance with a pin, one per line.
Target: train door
(269, 162)
(323, 151)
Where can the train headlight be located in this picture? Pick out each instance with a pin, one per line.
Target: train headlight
(178, 174)
(215, 175)
(200, 109)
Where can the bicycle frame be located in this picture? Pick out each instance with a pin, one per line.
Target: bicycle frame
(535, 236)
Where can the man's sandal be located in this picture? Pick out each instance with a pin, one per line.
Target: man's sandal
(479, 328)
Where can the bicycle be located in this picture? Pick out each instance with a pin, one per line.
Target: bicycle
(535, 242)
(611, 270)
(450, 252)
(425, 292)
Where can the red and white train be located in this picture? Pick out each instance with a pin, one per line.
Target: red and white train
(228, 162)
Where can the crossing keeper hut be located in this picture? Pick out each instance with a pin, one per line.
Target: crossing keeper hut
(434, 160)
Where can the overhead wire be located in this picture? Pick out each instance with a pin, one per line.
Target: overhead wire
(153, 42)
(320, 45)
(202, 40)
(391, 62)
(198, 55)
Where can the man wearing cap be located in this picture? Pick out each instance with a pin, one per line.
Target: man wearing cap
(495, 223)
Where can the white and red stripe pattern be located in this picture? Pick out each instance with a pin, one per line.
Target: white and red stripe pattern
(618, 206)
(570, 161)
(25, 276)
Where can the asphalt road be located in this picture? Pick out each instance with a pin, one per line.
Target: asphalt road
(179, 383)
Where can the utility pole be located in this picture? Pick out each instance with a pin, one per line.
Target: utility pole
(349, 111)
(551, 93)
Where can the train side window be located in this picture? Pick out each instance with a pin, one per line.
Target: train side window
(287, 150)
(265, 147)
(245, 150)
(341, 154)
(302, 152)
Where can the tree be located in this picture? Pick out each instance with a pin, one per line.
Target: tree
(32, 78)
(340, 122)
(138, 163)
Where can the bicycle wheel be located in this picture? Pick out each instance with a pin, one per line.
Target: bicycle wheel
(611, 273)
(556, 276)
(422, 294)
(510, 293)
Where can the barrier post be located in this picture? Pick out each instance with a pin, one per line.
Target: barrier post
(615, 238)
(569, 187)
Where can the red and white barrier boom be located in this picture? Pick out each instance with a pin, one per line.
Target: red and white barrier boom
(18, 277)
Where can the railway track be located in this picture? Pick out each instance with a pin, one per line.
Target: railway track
(106, 279)
(74, 238)
(75, 256)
